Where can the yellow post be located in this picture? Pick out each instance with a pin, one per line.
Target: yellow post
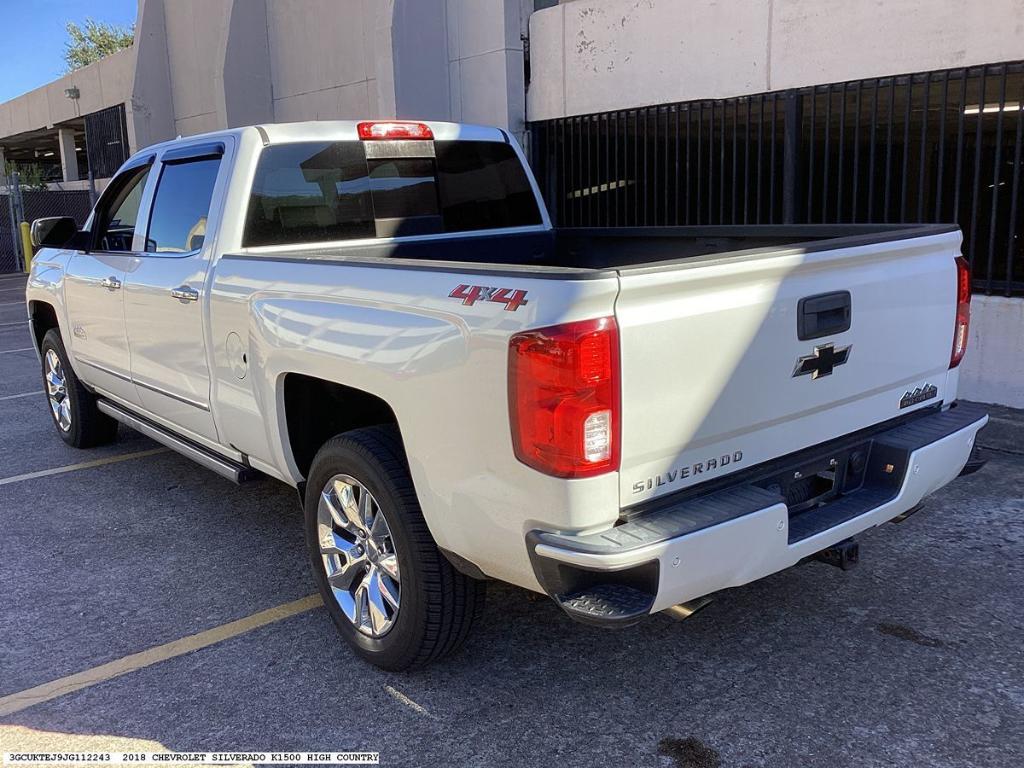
(26, 245)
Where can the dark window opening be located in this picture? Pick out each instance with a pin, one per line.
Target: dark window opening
(325, 191)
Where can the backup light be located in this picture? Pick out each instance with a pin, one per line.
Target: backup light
(394, 129)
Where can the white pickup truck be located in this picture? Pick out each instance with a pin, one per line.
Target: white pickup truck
(381, 315)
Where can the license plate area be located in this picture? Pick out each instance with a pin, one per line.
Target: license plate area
(819, 481)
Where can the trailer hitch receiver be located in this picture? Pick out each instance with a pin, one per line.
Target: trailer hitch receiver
(844, 555)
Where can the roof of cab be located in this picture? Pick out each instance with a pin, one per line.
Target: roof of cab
(336, 130)
(345, 130)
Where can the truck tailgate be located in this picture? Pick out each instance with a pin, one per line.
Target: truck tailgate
(715, 378)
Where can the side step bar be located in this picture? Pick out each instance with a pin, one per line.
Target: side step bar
(223, 466)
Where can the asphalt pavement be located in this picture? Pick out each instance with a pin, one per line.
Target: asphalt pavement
(915, 658)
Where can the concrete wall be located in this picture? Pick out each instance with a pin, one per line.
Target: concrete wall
(485, 61)
(202, 65)
(103, 84)
(993, 368)
(323, 57)
(150, 115)
(196, 31)
(598, 55)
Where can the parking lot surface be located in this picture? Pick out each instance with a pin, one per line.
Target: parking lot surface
(913, 659)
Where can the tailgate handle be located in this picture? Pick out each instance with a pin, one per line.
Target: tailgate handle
(825, 314)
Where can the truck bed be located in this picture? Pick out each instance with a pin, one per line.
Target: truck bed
(587, 253)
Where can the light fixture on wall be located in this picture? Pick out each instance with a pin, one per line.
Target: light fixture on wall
(72, 92)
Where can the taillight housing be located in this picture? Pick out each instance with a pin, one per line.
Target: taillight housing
(393, 129)
(564, 401)
(963, 311)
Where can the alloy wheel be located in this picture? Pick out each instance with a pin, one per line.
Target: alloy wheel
(56, 391)
(358, 554)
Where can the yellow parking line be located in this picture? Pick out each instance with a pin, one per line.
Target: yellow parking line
(16, 702)
(83, 465)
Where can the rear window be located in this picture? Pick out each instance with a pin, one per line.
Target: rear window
(322, 191)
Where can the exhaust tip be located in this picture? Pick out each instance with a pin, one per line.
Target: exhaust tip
(686, 610)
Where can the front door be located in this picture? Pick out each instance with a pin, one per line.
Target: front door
(165, 294)
(94, 288)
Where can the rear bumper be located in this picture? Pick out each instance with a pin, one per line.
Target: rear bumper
(744, 532)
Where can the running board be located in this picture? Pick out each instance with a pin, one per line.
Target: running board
(223, 466)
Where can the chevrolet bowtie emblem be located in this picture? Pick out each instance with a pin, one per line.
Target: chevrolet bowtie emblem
(824, 360)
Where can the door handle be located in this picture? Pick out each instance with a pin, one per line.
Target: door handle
(184, 293)
(110, 283)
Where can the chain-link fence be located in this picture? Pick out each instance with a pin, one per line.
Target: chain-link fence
(18, 204)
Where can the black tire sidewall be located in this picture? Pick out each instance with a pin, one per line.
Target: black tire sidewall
(343, 455)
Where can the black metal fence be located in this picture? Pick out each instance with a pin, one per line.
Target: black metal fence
(106, 141)
(929, 147)
(29, 205)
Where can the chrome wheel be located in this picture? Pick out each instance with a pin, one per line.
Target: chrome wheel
(56, 391)
(359, 556)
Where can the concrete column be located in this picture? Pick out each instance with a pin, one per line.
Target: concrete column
(485, 62)
(242, 83)
(3, 162)
(68, 160)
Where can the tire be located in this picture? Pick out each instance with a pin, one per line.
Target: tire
(72, 407)
(437, 605)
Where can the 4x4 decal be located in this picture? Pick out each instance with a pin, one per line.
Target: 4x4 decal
(512, 298)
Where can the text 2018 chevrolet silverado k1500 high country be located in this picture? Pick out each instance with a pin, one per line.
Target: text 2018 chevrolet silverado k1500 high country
(382, 315)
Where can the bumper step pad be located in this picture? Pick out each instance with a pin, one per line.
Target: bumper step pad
(607, 605)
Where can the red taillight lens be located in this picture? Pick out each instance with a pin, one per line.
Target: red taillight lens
(563, 388)
(963, 311)
(394, 130)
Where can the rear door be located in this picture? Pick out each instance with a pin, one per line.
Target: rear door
(716, 377)
(165, 291)
(94, 286)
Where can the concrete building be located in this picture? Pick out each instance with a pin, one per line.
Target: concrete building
(539, 67)
(199, 65)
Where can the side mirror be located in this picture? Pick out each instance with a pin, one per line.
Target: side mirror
(53, 232)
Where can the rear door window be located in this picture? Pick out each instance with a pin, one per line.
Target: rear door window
(177, 223)
(319, 192)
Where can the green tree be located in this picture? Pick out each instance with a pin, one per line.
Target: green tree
(30, 175)
(93, 40)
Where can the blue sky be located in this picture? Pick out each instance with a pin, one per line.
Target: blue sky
(33, 37)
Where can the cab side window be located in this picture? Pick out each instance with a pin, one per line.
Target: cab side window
(177, 223)
(117, 219)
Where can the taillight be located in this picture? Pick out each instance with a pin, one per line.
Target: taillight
(393, 129)
(563, 389)
(963, 311)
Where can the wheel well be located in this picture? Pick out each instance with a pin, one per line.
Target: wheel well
(44, 317)
(316, 410)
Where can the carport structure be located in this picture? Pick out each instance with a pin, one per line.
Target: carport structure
(51, 126)
(60, 151)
